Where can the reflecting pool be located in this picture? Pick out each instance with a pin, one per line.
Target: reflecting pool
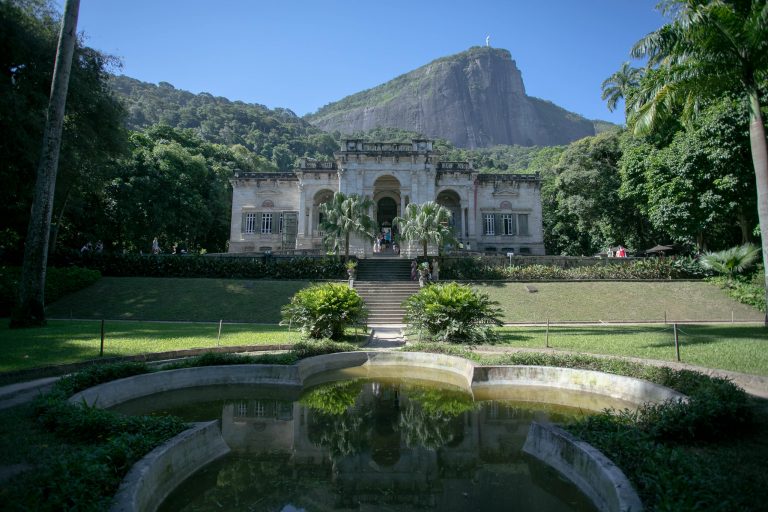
(367, 444)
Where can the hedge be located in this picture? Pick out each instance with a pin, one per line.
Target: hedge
(482, 269)
(163, 265)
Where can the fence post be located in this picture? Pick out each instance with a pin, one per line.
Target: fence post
(677, 344)
(665, 317)
(218, 338)
(546, 342)
(101, 350)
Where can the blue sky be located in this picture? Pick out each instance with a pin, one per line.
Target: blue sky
(304, 54)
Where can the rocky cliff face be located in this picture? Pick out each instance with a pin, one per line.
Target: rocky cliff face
(474, 99)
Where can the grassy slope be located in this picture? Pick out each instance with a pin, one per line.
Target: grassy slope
(617, 301)
(737, 348)
(145, 298)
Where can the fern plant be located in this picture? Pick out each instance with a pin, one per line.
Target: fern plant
(453, 313)
(324, 310)
(733, 261)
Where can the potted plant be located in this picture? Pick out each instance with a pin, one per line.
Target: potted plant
(423, 273)
(351, 266)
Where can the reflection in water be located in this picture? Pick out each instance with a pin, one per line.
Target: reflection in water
(374, 445)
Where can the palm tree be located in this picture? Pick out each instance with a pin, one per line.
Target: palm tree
(344, 215)
(731, 261)
(620, 85)
(30, 309)
(425, 223)
(710, 47)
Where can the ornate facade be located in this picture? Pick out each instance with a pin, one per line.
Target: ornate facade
(490, 212)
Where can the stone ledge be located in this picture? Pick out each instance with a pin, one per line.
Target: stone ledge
(155, 476)
(581, 463)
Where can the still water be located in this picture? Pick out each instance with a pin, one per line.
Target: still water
(362, 444)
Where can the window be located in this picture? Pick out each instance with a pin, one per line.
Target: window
(522, 224)
(250, 223)
(490, 227)
(525, 250)
(280, 223)
(266, 223)
(508, 223)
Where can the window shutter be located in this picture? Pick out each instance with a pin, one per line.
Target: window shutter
(242, 223)
(522, 220)
(498, 224)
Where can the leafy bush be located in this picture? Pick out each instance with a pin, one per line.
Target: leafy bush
(733, 261)
(747, 290)
(454, 313)
(58, 282)
(304, 349)
(324, 310)
(149, 265)
(648, 443)
(479, 268)
(94, 375)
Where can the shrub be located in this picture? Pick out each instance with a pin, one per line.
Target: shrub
(730, 262)
(304, 349)
(747, 290)
(479, 268)
(454, 313)
(149, 265)
(324, 310)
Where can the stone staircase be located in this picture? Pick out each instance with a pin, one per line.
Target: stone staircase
(384, 283)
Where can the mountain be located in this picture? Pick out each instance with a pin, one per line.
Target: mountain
(473, 99)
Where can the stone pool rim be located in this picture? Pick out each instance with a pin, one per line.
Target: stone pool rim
(139, 493)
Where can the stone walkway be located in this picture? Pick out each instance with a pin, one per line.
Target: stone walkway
(386, 337)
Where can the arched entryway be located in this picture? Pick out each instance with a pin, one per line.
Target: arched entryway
(451, 200)
(387, 205)
(322, 196)
(386, 211)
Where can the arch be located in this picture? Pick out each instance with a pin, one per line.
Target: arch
(451, 200)
(387, 199)
(321, 196)
(268, 204)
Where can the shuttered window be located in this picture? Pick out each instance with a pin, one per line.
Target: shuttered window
(522, 224)
(249, 223)
(266, 223)
(508, 221)
(490, 224)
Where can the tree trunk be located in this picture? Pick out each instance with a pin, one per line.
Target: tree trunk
(746, 235)
(760, 162)
(346, 247)
(30, 309)
(55, 227)
(424, 244)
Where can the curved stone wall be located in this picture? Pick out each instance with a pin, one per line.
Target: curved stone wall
(159, 472)
(147, 484)
(591, 471)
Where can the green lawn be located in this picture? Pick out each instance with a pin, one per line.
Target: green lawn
(617, 301)
(737, 348)
(145, 298)
(64, 341)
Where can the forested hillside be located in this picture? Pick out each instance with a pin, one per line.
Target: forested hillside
(278, 135)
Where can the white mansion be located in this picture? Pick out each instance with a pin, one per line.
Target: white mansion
(275, 211)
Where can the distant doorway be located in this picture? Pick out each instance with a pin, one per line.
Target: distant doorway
(386, 211)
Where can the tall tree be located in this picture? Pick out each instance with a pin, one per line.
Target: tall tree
(31, 305)
(426, 223)
(710, 47)
(620, 85)
(346, 215)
